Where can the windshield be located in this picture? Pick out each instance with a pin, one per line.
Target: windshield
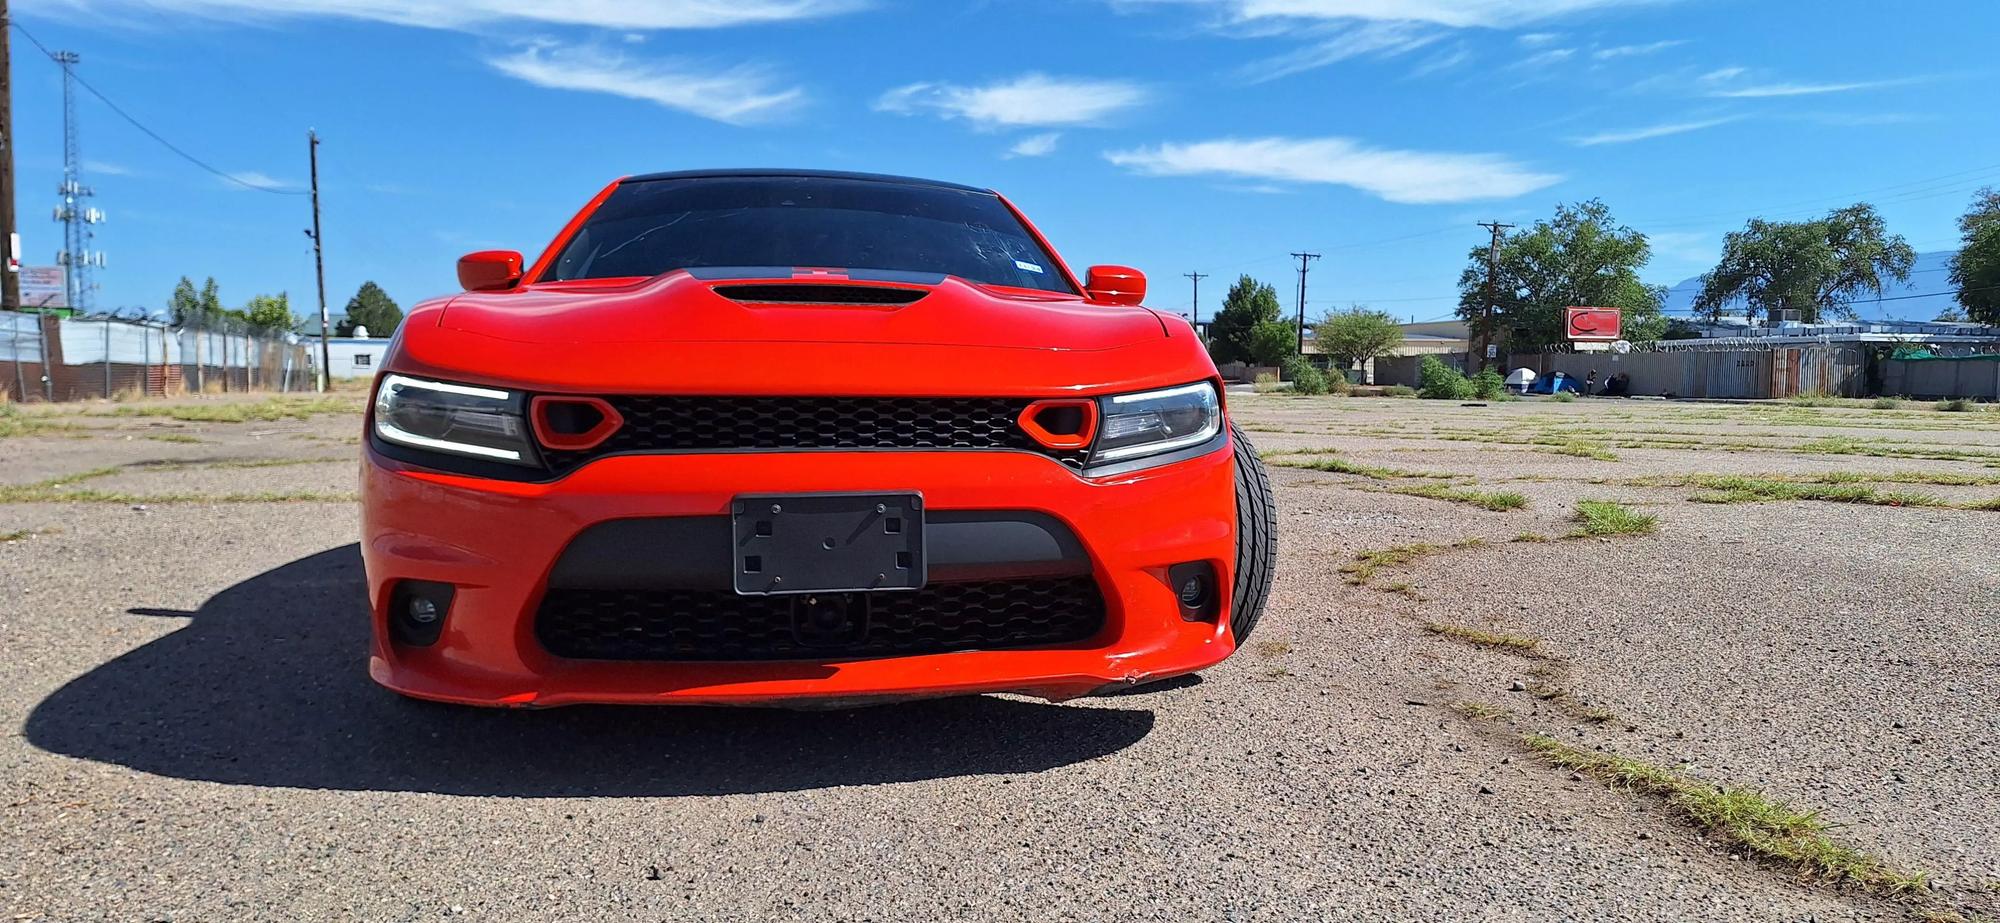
(653, 226)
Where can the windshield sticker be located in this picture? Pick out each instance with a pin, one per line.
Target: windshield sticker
(1026, 266)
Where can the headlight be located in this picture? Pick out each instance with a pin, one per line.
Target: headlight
(1156, 422)
(464, 420)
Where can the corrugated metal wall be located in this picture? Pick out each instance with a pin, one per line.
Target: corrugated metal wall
(1936, 378)
(53, 358)
(1744, 375)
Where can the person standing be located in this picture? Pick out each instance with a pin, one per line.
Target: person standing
(1590, 383)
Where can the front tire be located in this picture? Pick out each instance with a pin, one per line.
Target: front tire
(1256, 538)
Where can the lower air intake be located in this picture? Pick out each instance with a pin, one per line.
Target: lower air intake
(712, 625)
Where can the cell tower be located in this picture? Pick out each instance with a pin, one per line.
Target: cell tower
(76, 258)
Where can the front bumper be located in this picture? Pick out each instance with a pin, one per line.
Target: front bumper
(498, 543)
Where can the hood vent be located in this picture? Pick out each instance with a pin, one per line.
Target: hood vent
(819, 293)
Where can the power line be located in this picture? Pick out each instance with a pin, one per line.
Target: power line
(169, 145)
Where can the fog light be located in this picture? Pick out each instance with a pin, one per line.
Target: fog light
(1194, 587)
(1193, 590)
(417, 611)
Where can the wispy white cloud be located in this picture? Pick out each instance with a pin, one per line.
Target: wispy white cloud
(1650, 131)
(1030, 99)
(1372, 39)
(1040, 145)
(1633, 51)
(1773, 90)
(1415, 177)
(1546, 58)
(256, 178)
(470, 14)
(1457, 14)
(737, 95)
(1861, 119)
(106, 168)
(1332, 31)
(1442, 61)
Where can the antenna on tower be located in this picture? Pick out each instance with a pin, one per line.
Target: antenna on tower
(76, 258)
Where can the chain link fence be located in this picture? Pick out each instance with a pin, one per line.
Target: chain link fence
(52, 358)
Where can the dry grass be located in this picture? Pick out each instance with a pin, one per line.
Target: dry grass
(1343, 466)
(1480, 711)
(15, 423)
(1483, 638)
(63, 489)
(1496, 501)
(1581, 449)
(268, 410)
(1747, 819)
(1367, 563)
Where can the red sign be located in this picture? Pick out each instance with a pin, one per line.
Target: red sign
(1592, 323)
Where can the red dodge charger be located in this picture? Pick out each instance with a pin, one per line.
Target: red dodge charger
(791, 437)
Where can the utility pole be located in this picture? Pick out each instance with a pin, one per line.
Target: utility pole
(1196, 276)
(10, 238)
(1303, 259)
(319, 269)
(1477, 361)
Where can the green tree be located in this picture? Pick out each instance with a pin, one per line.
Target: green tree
(1580, 258)
(1813, 267)
(1975, 269)
(1272, 341)
(371, 307)
(209, 304)
(1248, 305)
(1357, 335)
(185, 305)
(271, 313)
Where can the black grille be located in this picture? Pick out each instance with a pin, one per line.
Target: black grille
(808, 293)
(708, 424)
(693, 625)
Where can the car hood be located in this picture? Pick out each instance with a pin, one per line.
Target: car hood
(735, 306)
(684, 334)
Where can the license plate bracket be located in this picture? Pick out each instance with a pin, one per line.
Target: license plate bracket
(827, 543)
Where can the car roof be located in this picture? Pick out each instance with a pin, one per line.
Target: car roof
(815, 174)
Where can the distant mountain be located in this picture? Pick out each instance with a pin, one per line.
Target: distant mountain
(1928, 292)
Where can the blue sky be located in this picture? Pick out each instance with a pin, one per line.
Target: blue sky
(1174, 135)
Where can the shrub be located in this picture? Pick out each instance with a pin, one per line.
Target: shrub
(1399, 391)
(1955, 405)
(1306, 378)
(1266, 383)
(1563, 396)
(1441, 382)
(1488, 385)
(1886, 403)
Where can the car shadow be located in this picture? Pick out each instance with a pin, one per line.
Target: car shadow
(267, 685)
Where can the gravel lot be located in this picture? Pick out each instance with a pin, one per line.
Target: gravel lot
(194, 736)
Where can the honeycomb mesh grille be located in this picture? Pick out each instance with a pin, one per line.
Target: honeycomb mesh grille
(691, 625)
(712, 424)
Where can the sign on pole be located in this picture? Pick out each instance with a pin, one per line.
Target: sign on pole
(1594, 324)
(42, 287)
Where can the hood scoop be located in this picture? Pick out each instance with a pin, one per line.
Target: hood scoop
(815, 293)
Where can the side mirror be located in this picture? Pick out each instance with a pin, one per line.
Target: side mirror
(1114, 285)
(488, 270)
